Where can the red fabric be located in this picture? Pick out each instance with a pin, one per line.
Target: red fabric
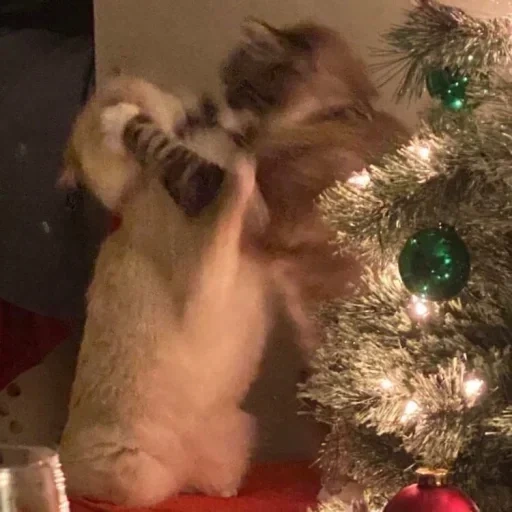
(25, 339)
(271, 487)
(115, 222)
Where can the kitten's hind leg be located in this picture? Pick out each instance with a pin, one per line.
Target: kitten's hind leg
(307, 335)
(223, 453)
(102, 464)
(126, 477)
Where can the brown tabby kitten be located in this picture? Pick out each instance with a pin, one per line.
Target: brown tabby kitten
(312, 99)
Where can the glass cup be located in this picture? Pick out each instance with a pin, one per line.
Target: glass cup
(31, 480)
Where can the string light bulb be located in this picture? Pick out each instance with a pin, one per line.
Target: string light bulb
(421, 149)
(386, 385)
(360, 179)
(420, 309)
(473, 388)
(423, 152)
(411, 408)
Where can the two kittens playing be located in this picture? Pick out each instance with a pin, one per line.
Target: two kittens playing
(181, 305)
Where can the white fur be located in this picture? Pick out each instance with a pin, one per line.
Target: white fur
(113, 122)
(176, 324)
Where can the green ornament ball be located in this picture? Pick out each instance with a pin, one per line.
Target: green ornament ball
(435, 263)
(450, 87)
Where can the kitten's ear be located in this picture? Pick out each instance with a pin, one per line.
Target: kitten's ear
(67, 178)
(261, 33)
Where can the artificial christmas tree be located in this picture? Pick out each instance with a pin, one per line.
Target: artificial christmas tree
(416, 370)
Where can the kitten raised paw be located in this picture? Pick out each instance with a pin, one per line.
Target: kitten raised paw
(113, 122)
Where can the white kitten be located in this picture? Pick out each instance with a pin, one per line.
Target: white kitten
(177, 319)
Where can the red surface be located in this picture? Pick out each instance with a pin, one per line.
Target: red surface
(25, 339)
(115, 222)
(433, 499)
(274, 487)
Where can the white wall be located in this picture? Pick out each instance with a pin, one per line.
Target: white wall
(182, 42)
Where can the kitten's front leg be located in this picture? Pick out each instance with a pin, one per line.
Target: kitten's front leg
(223, 452)
(307, 335)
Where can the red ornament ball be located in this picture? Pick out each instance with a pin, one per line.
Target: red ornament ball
(431, 498)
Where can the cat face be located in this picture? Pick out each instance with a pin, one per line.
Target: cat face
(270, 65)
(262, 68)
